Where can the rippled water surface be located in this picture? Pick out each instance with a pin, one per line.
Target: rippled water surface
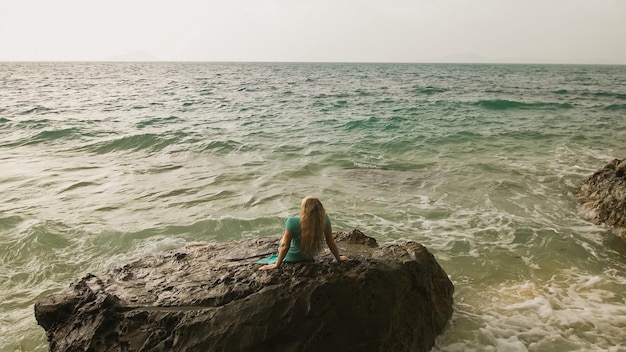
(102, 162)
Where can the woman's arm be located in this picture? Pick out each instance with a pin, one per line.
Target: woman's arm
(285, 243)
(328, 235)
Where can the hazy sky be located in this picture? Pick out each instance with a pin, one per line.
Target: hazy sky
(538, 31)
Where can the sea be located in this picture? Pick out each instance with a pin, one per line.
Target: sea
(103, 162)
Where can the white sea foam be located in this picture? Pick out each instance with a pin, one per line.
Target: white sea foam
(150, 246)
(571, 311)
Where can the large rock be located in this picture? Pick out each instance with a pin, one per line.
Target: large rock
(602, 196)
(211, 297)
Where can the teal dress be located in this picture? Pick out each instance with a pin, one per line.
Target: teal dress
(294, 254)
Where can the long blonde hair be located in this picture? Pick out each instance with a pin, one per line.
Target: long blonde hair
(312, 224)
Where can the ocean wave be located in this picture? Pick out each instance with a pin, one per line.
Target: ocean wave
(527, 135)
(503, 104)
(7, 222)
(385, 101)
(332, 96)
(36, 110)
(157, 169)
(78, 185)
(428, 90)
(33, 124)
(384, 124)
(358, 124)
(35, 241)
(57, 134)
(615, 107)
(363, 93)
(620, 96)
(222, 147)
(358, 165)
(25, 137)
(157, 121)
(453, 138)
(568, 311)
(223, 228)
(145, 141)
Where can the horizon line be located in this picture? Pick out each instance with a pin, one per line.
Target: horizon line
(319, 62)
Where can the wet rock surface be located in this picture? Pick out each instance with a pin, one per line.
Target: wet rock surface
(602, 196)
(211, 297)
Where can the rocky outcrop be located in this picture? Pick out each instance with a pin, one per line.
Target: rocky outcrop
(211, 297)
(602, 196)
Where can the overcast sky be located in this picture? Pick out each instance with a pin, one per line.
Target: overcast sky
(535, 31)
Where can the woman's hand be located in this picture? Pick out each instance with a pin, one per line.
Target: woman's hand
(269, 267)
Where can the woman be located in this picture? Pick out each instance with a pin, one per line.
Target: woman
(303, 236)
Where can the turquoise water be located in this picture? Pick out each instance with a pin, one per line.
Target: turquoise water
(103, 162)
